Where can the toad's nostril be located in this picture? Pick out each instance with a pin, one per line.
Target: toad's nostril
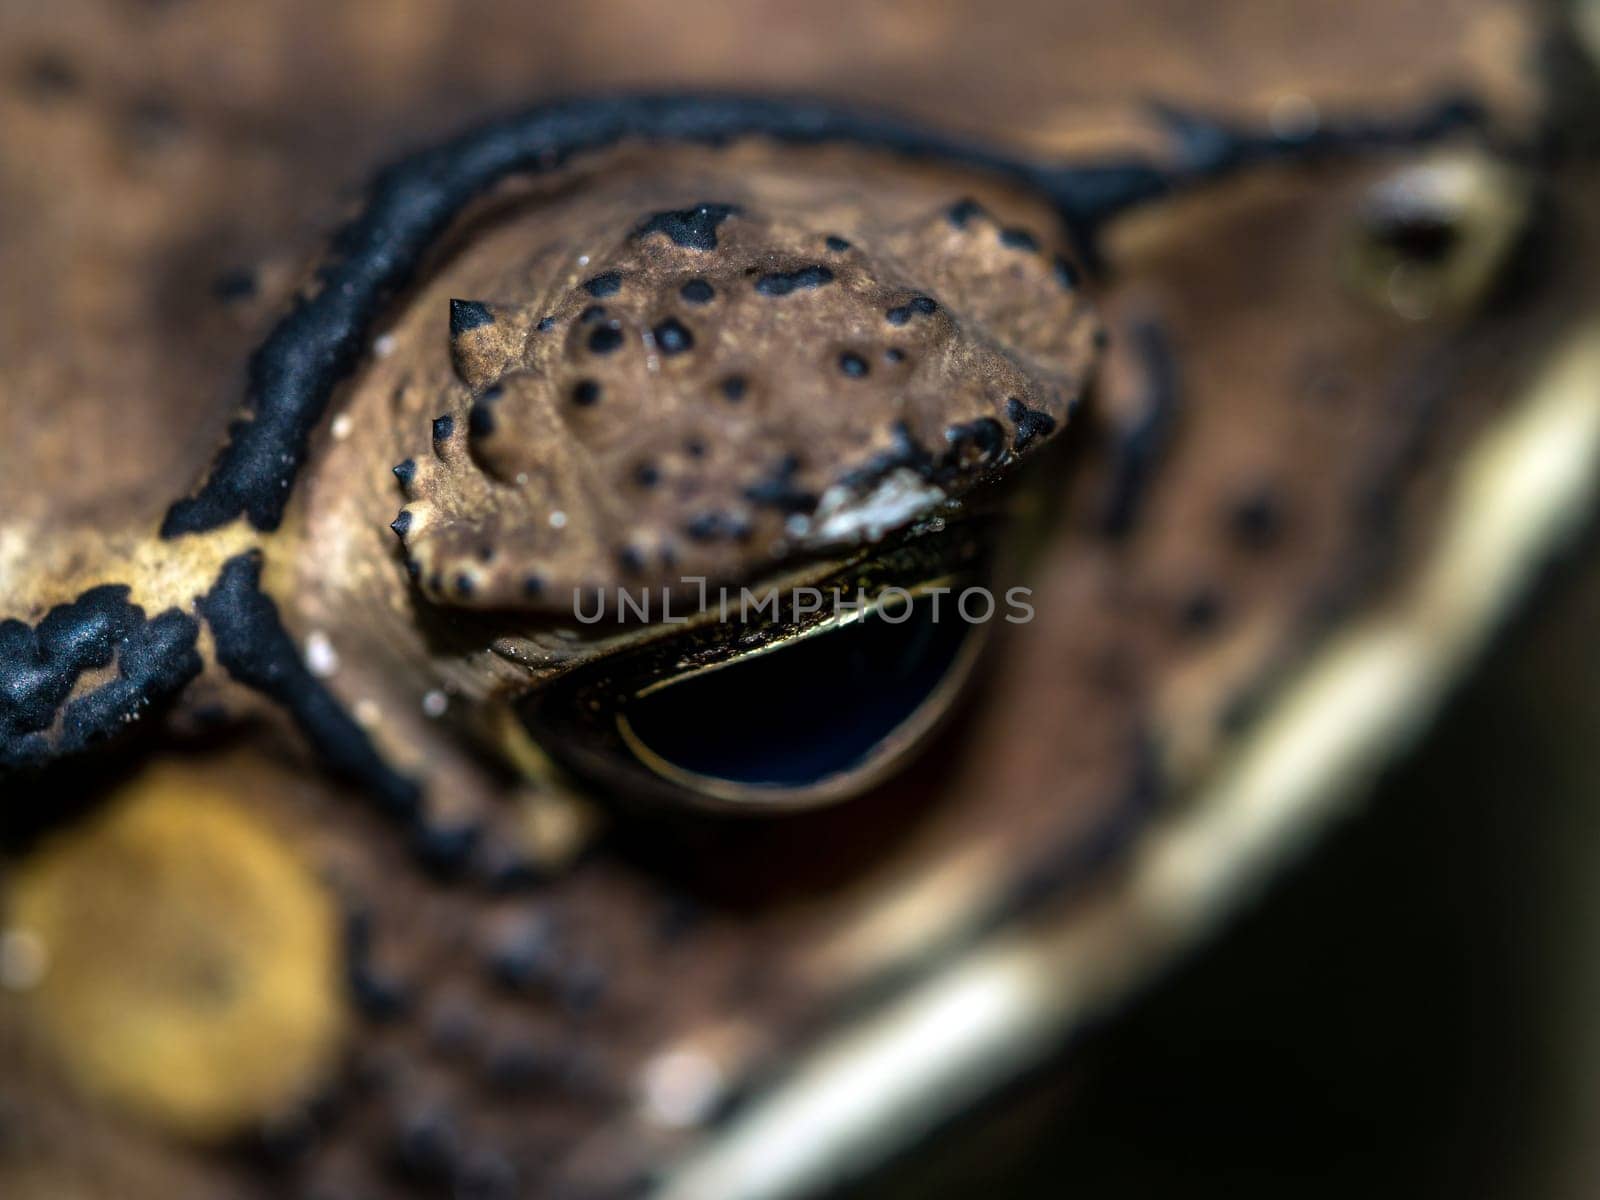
(1434, 237)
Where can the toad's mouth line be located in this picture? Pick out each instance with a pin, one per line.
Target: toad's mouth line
(810, 718)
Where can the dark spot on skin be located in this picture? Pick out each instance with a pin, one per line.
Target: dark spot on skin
(234, 285)
(1030, 423)
(480, 418)
(546, 324)
(837, 244)
(1102, 338)
(1201, 611)
(532, 586)
(630, 560)
(592, 315)
(585, 392)
(443, 427)
(781, 283)
(693, 228)
(923, 305)
(505, 868)
(464, 585)
(49, 76)
(522, 956)
(402, 523)
(893, 355)
(378, 995)
(646, 475)
(672, 336)
(1019, 239)
(427, 1148)
(976, 443)
(1256, 519)
(962, 211)
(697, 291)
(405, 472)
(853, 365)
(607, 283)
(467, 315)
(712, 526)
(445, 849)
(453, 1028)
(778, 489)
(1066, 274)
(517, 1068)
(694, 448)
(486, 554)
(605, 339)
(733, 387)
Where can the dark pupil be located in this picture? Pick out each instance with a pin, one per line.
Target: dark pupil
(1419, 239)
(797, 716)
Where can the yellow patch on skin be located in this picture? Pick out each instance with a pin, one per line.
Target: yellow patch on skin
(61, 564)
(191, 960)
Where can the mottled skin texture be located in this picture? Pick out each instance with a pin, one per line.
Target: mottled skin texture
(661, 425)
(503, 1033)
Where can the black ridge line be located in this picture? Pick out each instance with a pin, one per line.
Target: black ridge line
(41, 664)
(318, 343)
(257, 651)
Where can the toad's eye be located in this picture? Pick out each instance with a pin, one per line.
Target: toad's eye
(773, 711)
(1434, 238)
(809, 720)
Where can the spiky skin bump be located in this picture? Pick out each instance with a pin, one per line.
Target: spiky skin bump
(845, 422)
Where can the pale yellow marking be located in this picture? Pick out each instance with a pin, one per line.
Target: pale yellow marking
(40, 568)
(189, 963)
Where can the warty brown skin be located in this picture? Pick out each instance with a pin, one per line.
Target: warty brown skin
(1290, 377)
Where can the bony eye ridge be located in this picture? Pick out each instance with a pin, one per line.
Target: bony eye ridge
(760, 366)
